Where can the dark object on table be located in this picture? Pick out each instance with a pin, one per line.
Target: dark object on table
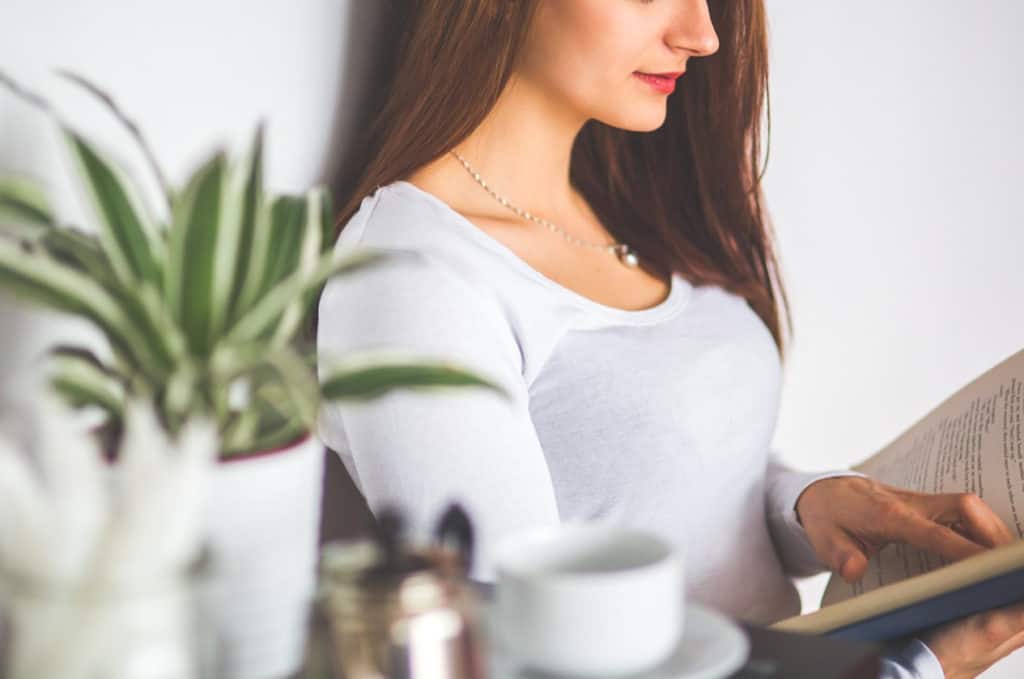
(784, 655)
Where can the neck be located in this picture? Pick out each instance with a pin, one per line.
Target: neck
(522, 150)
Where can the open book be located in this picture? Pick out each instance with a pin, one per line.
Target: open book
(972, 442)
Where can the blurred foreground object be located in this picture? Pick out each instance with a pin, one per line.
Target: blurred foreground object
(99, 561)
(396, 611)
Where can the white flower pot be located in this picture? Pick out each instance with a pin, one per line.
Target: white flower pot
(262, 531)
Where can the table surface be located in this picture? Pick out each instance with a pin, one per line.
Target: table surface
(773, 655)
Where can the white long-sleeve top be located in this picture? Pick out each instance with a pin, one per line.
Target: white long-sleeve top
(658, 419)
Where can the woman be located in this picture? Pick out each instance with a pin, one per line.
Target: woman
(596, 243)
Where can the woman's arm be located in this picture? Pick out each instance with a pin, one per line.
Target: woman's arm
(850, 520)
(783, 487)
(420, 449)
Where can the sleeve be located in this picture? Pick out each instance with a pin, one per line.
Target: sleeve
(783, 487)
(419, 449)
(914, 661)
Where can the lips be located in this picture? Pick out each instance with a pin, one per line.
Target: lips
(662, 82)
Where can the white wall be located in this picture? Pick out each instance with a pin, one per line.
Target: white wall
(894, 180)
(892, 172)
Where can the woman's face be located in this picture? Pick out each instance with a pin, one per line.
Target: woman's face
(587, 53)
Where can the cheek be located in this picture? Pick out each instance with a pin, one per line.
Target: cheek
(582, 48)
(583, 53)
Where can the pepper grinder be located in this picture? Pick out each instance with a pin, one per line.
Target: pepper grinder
(395, 611)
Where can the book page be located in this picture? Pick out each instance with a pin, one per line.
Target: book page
(972, 442)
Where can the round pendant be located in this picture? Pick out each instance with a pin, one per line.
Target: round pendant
(627, 255)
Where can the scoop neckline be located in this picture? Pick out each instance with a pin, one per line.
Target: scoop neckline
(679, 287)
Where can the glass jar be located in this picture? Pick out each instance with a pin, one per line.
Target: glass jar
(98, 630)
(402, 611)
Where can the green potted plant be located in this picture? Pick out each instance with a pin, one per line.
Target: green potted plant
(202, 311)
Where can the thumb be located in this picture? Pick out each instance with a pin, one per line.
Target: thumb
(846, 556)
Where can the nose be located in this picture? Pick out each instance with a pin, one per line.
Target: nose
(692, 30)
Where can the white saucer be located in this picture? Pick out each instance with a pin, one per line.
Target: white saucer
(712, 647)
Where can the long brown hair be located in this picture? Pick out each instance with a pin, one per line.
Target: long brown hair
(685, 195)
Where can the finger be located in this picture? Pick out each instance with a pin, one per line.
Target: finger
(910, 527)
(982, 523)
(976, 518)
(846, 556)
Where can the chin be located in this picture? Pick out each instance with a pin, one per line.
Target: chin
(639, 121)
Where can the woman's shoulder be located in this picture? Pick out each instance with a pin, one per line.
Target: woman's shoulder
(403, 216)
(417, 298)
(457, 279)
(428, 276)
(399, 215)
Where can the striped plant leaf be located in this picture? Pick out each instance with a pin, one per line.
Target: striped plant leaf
(369, 374)
(141, 302)
(261, 245)
(85, 355)
(277, 423)
(275, 249)
(30, 274)
(310, 253)
(276, 427)
(270, 439)
(259, 321)
(82, 380)
(240, 430)
(129, 125)
(287, 232)
(180, 391)
(165, 337)
(259, 365)
(125, 232)
(252, 226)
(231, 361)
(236, 221)
(158, 342)
(299, 383)
(76, 250)
(23, 206)
(80, 251)
(192, 252)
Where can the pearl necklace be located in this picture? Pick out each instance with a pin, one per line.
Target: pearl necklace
(626, 254)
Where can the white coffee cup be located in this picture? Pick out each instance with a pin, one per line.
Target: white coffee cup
(588, 598)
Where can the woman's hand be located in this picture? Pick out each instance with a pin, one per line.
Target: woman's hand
(849, 519)
(967, 647)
